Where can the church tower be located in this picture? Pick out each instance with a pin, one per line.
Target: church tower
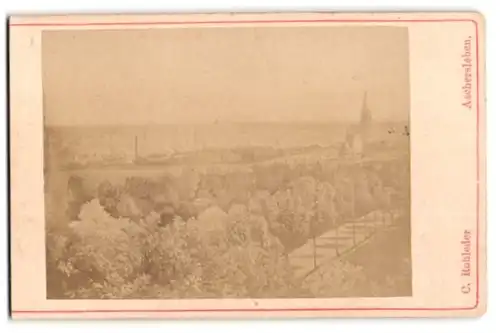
(366, 116)
(358, 135)
(366, 120)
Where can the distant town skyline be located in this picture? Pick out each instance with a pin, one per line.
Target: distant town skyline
(224, 75)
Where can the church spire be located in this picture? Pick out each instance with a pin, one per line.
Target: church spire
(366, 116)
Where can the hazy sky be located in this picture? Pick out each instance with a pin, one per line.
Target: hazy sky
(232, 74)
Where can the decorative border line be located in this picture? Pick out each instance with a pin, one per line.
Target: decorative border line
(232, 310)
(79, 24)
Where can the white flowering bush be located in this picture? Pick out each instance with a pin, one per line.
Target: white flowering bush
(105, 257)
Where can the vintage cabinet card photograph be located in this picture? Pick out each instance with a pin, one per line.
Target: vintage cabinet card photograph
(247, 165)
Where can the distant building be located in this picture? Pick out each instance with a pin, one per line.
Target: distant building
(358, 135)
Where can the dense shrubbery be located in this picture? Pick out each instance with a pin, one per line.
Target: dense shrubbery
(220, 254)
(209, 235)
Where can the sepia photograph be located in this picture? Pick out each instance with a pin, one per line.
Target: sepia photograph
(247, 165)
(251, 162)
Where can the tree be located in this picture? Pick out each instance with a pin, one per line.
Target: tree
(109, 197)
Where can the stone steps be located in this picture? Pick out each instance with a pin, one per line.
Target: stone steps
(334, 243)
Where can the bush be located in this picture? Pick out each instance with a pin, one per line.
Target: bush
(219, 254)
(217, 236)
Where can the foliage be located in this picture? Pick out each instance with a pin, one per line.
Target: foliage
(201, 234)
(117, 258)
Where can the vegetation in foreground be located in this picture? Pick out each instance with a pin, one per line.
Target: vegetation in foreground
(211, 236)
